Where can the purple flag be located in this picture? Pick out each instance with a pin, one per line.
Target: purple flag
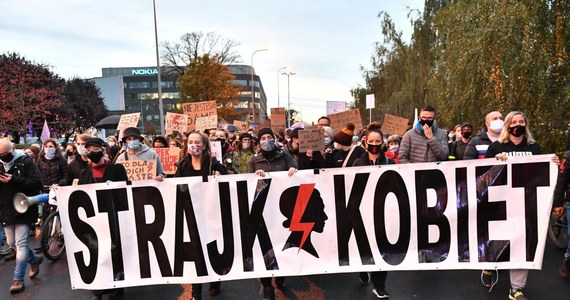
(45, 132)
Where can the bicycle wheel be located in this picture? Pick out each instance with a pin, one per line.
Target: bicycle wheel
(558, 231)
(52, 242)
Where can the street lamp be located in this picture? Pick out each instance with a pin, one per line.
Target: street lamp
(285, 67)
(160, 104)
(252, 86)
(288, 98)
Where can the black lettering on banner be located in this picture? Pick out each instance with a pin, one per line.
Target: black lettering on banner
(222, 262)
(348, 218)
(462, 203)
(530, 176)
(438, 251)
(392, 182)
(85, 233)
(187, 251)
(150, 233)
(112, 202)
(497, 250)
(252, 224)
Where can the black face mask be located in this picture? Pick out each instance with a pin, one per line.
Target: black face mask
(7, 157)
(426, 122)
(466, 134)
(95, 156)
(517, 130)
(374, 149)
(69, 153)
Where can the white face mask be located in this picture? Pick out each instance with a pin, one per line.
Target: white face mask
(496, 125)
(111, 144)
(81, 150)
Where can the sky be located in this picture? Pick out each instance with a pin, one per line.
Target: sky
(323, 42)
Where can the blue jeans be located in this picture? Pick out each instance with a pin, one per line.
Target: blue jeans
(17, 237)
(567, 254)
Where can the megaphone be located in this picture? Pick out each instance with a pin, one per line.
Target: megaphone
(22, 202)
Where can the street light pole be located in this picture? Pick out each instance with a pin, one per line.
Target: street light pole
(160, 104)
(278, 83)
(252, 86)
(288, 98)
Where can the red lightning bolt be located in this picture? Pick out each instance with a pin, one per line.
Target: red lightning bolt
(305, 191)
(149, 167)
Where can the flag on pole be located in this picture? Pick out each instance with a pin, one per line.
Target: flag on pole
(45, 132)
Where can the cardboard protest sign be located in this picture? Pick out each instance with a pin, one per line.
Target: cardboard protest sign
(128, 120)
(169, 158)
(175, 122)
(394, 125)
(216, 148)
(140, 169)
(196, 110)
(311, 139)
(339, 120)
(207, 122)
(278, 119)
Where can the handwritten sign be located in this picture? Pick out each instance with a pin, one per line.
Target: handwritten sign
(175, 122)
(128, 120)
(278, 122)
(196, 110)
(339, 120)
(207, 122)
(394, 125)
(311, 139)
(169, 158)
(140, 169)
(216, 148)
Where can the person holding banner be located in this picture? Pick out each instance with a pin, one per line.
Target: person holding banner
(243, 153)
(101, 169)
(306, 160)
(425, 142)
(344, 153)
(373, 157)
(561, 195)
(515, 140)
(477, 146)
(222, 136)
(18, 174)
(271, 159)
(137, 150)
(198, 161)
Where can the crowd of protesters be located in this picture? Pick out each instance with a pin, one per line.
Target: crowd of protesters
(89, 160)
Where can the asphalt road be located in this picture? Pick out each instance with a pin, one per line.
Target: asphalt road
(53, 283)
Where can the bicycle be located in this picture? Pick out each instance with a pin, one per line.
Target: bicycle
(558, 229)
(52, 242)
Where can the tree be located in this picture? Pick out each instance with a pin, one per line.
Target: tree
(207, 79)
(195, 45)
(28, 91)
(83, 108)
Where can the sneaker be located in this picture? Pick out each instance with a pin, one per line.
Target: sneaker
(380, 293)
(11, 255)
(268, 293)
(516, 295)
(487, 278)
(364, 277)
(17, 286)
(35, 267)
(280, 282)
(565, 268)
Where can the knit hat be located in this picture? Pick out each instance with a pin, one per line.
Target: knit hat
(344, 137)
(263, 131)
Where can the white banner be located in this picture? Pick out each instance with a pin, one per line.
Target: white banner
(475, 214)
(334, 107)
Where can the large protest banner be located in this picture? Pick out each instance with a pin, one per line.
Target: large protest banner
(195, 110)
(451, 215)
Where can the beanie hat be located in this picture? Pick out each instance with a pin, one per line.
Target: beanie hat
(263, 131)
(344, 137)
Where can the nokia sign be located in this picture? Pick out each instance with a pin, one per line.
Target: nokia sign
(151, 71)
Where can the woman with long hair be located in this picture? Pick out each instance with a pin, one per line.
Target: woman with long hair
(51, 163)
(243, 153)
(198, 161)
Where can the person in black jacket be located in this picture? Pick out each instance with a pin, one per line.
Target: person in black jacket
(305, 160)
(560, 196)
(101, 169)
(374, 156)
(52, 165)
(80, 162)
(18, 174)
(198, 161)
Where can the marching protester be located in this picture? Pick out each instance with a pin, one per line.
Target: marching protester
(393, 148)
(33, 151)
(221, 135)
(477, 146)
(271, 159)
(18, 174)
(305, 160)
(560, 196)
(81, 160)
(344, 153)
(159, 142)
(243, 153)
(323, 122)
(457, 148)
(52, 165)
(328, 132)
(373, 157)
(101, 169)
(70, 152)
(198, 161)
(515, 140)
(425, 142)
(113, 147)
(137, 150)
